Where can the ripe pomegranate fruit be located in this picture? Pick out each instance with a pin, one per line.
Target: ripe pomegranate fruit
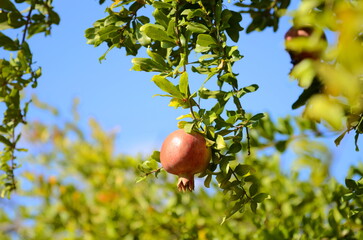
(298, 56)
(185, 154)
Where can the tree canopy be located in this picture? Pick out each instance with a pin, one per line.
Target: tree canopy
(59, 200)
(177, 40)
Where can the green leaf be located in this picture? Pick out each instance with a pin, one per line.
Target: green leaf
(235, 28)
(147, 65)
(7, 43)
(157, 4)
(22, 150)
(8, 5)
(260, 197)
(144, 40)
(304, 72)
(229, 78)
(331, 219)
(224, 165)
(235, 147)
(167, 86)
(221, 144)
(204, 43)
(281, 145)
(340, 138)
(104, 33)
(188, 127)
(197, 27)
(253, 206)
(209, 117)
(356, 137)
(253, 189)
(257, 117)
(54, 17)
(4, 24)
(171, 28)
(156, 32)
(150, 165)
(191, 13)
(351, 184)
(189, 115)
(3, 192)
(158, 59)
(348, 196)
(179, 102)
(207, 181)
(161, 18)
(248, 89)
(140, 179)
(242, 169)
(155, 156)
(103, 57)
(5, 141)
(183, 83)
(206, 93)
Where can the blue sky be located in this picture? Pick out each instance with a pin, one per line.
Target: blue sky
(122, 99)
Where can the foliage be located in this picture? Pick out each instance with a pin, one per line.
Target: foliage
(338, 71)
(192, 36)
(188, 37)
(78, 187)
(17, 73)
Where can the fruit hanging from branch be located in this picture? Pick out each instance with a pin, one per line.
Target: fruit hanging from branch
(299, 48)
(185, 154)
(299, 52)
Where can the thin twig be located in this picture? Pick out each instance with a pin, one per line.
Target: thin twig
(27, 23)
(191, 108)
(235, 175)
(12, 159)
(153, 171)
(177, 31)
(248, 142)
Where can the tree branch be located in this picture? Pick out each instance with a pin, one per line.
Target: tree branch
(27, 23)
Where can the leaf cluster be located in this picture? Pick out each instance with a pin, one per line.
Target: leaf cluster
(264, 13)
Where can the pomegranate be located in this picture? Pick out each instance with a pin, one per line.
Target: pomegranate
(185, 154)
(296, 56)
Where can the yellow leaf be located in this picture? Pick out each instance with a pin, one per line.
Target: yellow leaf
(321, 107)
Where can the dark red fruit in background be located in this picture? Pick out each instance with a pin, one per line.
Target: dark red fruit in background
(293, 33)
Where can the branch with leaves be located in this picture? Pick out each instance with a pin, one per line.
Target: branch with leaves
(187, 38)
(16, 74)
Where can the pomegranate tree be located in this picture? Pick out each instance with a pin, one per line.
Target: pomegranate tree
(185, 154)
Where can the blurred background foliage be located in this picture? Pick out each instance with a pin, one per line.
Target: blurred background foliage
(76, 186)
(337, 72)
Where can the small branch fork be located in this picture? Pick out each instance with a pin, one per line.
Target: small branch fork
(244, 190)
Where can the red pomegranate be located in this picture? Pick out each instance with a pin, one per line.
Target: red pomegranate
(293, 33)
(185, 154)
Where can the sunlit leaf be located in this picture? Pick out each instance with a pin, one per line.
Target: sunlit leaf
(156, 32)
